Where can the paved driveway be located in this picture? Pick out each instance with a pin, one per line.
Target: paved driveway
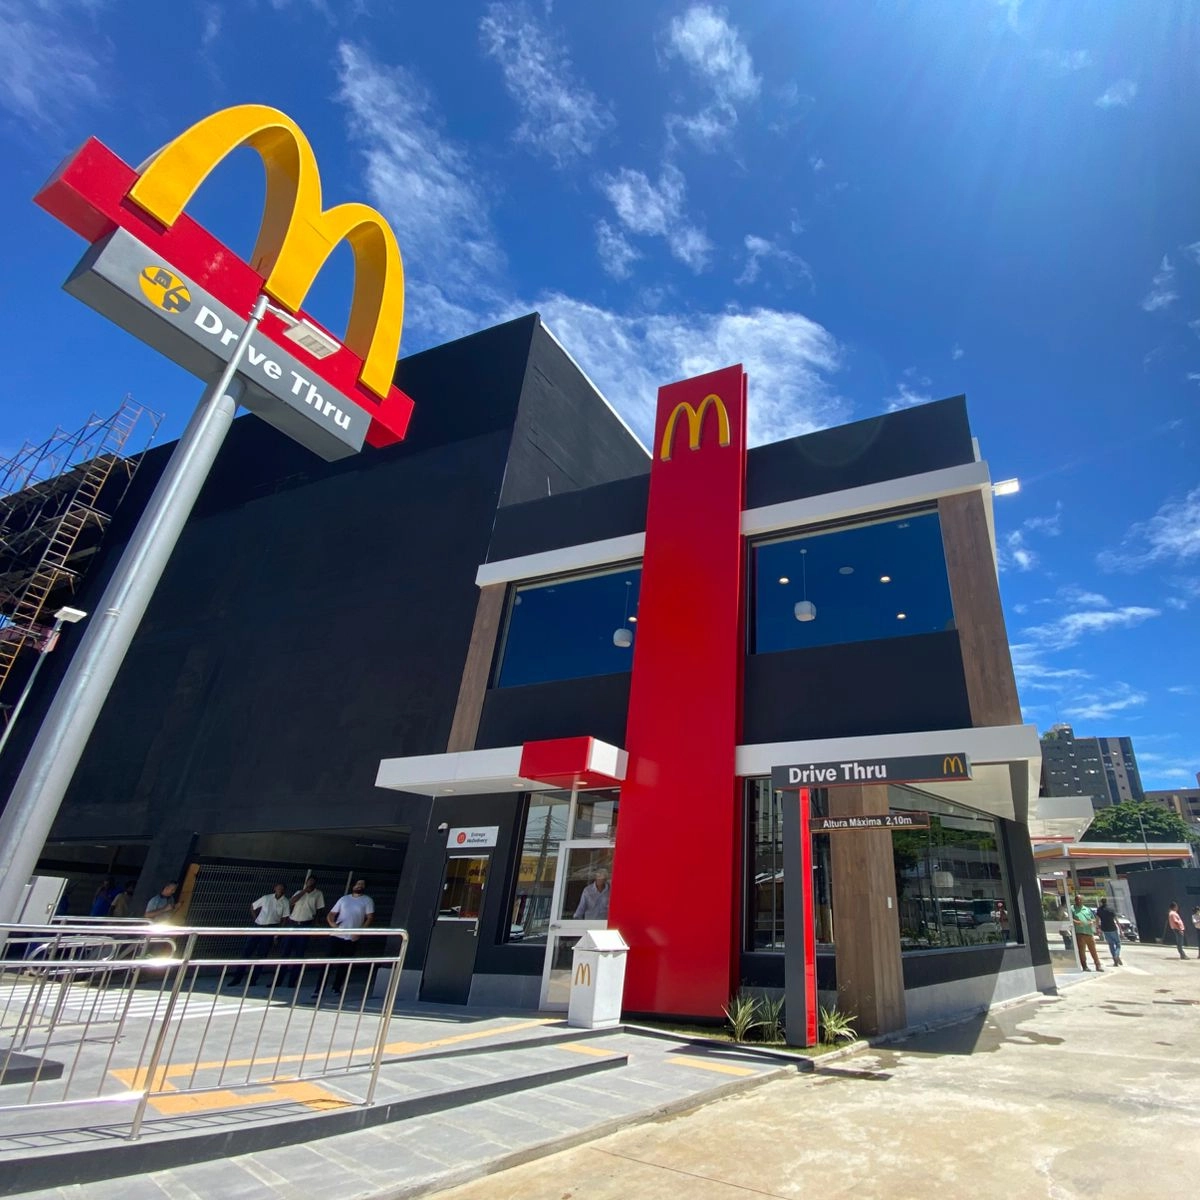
(1093, 1094)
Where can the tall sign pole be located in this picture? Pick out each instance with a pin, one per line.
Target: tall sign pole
(240, 327)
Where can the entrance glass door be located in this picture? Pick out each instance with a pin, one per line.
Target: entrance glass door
(582, 886)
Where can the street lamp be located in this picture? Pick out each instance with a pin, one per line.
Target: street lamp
(64, 616)
(1145, 843)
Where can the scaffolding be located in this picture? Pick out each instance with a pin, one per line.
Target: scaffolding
(57, 498)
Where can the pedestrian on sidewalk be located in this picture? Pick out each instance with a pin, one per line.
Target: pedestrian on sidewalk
(1175, 927)
(308, 905)
(353, 911)
(1107, 920)
(1084, 921)
(269, 911)
(1196, 927)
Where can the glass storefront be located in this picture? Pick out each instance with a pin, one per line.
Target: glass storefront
(950, 878)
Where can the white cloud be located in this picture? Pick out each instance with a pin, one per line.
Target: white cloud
(1034, 674)
(561, 118)
(617, 256)
(708, 129)
(1120, 95)
(1099, 706)
(1068, 629)
(817, 163)
(787, 356)
(429, 191)
(760, 250)
(1171, 535)
(1183, 689)
(49, 66)
(1013, 552)
(212, 25)
(906, 396)
(1194, 250)
(656, 210)
(1065, 62)
(714, 50)
(1162, 292)
(957, 352)
(1050, 525)
(1193, 377)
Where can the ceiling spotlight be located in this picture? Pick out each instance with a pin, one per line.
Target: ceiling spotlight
(885, 579)
(902, 616)
(1006, 487)
(845, 570)
(633, 620)
(784, 579)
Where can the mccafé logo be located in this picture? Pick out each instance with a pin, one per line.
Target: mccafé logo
(952, 765)
(95, 193)
(168, 291)
(695, 424)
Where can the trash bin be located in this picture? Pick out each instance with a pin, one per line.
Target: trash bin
(597, 980)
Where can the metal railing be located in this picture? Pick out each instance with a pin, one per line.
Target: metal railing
(129, 1020)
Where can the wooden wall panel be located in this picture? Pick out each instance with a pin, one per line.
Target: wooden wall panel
(978, 615)
(478, 667)
(866, 926)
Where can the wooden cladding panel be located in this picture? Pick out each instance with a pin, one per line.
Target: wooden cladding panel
(866, 927)
(978, 615)
(488, 615)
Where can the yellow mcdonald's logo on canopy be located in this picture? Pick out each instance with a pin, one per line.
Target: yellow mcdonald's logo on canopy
(297, 235)
(695, 423)
(952, 765)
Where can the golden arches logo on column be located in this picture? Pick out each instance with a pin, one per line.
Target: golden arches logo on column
(297, 235)
(695, 423)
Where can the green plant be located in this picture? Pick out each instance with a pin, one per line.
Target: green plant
(772, 1026)
(742, 1011)
(837, 1026)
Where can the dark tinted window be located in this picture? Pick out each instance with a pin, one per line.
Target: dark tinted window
(882, 580)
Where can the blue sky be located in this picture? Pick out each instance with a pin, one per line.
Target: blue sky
(870, 204)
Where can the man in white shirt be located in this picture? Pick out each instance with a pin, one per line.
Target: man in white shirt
(355, 910)
(269, 911)
(307, 905)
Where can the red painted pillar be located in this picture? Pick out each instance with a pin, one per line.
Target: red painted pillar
(676, 875)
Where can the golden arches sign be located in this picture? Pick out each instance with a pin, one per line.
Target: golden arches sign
(297, 235)
(583, 975)
(695, 423)
(952, 765)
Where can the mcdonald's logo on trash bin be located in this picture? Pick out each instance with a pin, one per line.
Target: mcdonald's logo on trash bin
(95, 193)
(583, 975)
(695, 423)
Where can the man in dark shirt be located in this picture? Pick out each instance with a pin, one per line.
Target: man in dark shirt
(1111, 930)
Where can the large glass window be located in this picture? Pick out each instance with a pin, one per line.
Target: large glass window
(949, 878)
(545, 829)
(880, 580)
(571, 628)
(950, 883)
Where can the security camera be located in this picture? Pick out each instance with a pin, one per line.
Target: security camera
(444, 827)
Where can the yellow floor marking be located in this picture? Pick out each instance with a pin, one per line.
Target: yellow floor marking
(583, 1048)
(706, 1065)
(137, 1079)
(308, 1094)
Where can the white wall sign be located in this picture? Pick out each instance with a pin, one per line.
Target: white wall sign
(472, 839)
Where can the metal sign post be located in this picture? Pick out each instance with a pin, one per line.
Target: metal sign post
(35, 800)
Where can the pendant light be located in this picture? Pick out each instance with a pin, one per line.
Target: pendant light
(805, 609)
(623, 637)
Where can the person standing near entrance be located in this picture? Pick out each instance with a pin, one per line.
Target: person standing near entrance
(1083, 919)
(1107, 920)
(308, 904)
(269, 912)
(1196, 927)
(356, 910)
(1175, 926)
(162, 905)
(593, 904)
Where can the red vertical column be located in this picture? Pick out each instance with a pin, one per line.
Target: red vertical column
(809, 930)
(675, 889)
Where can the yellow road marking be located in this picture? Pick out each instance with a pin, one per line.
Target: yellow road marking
(137, 1079)
(706, 1065)
(583, 1048)
(308, 1094)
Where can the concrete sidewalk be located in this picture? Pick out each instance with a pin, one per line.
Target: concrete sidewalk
(1093, 1094)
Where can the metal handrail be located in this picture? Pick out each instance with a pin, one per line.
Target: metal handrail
(119, 1001)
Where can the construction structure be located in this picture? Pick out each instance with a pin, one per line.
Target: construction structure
(57, 498)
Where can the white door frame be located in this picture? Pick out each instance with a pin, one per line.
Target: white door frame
(561, 927)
